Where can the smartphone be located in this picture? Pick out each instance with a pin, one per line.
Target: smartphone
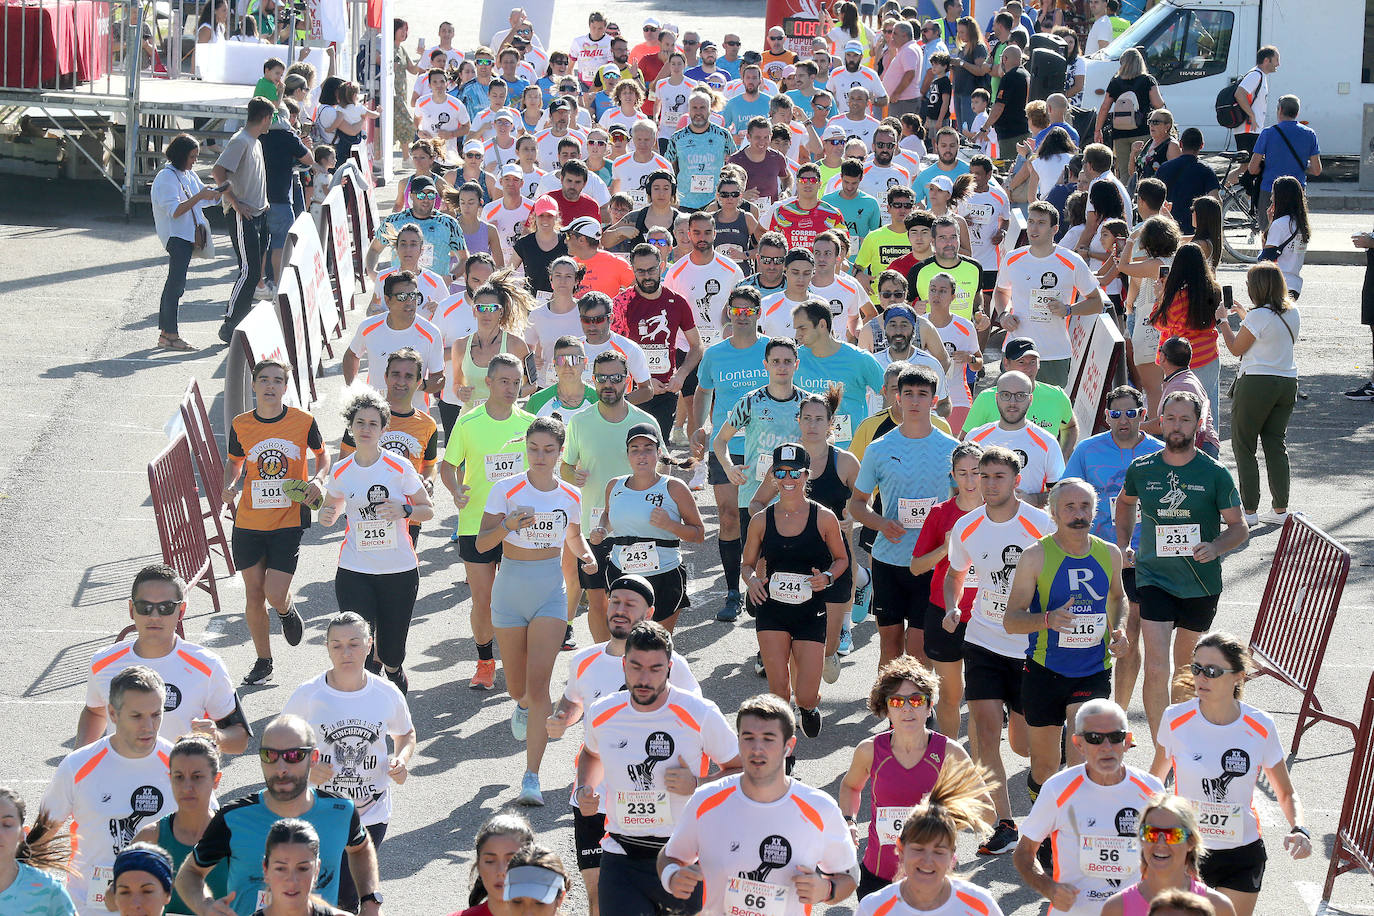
(1227, 297)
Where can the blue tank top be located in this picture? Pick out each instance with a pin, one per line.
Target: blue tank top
(1082, 583)
(630, 509)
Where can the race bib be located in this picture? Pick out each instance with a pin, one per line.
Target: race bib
(762, 465)
(502, 465)
(1176, 540)
(789, 588)
(640, 557)
(1111, 507)
(841, 428)
(888, 822)
(376, 535)
(657, 355)
(639, 198)
(1086, 633)
(1040, 300)
(703, 184)
(744, 897)
(992, 604)
(264, 899)
(709, 336)
(1219, 821)
(731, 251)
(546, 531)
(1109, 856)
(268, 494)
(427, 255)
(912, 512)
(646, 810)
(101, 876)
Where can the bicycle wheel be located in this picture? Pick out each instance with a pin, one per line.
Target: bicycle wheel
(1240, 232)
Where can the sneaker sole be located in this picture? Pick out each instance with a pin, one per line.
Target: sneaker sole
(529, 801)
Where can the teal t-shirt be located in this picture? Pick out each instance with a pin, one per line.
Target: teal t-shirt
(918, 184)
(767, 423)
(856, 369)
(36, 893)
(905, 469)
(739, 110)
(861, 216)
(730, 373)
(598, 446)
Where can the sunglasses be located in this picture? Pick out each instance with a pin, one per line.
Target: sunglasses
(808, 179)
(785, 473)
(610, 379)
(891, 294)
(1156, 121)
(472, 155)
(770, 260)
(596, 142)
(690, 44)
(730, 194)
(901, 205)
(425, 195)
(1095, 738)
(732, 44)
(1211, 672)
(483, 61)
(487, 308)
(885, 145)
(569, 359)
(412, 296)
(161, 608)
(661, 243)
(1169, 836)
(915, 701)
(289, 754)
(648, 29)
(595, 319)
(1129, 413)
(740, 311)
(836, 142)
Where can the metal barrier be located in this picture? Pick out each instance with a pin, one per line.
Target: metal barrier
(1354, 841)
(1297, 613)
(180, 527)
(205, 449)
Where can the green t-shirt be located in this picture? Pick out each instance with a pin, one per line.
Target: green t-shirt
(967, 274)
(1050, 409)
(266, 88)
(881, 247)
(598, 446)
(492, 450)
(545, 403)
(1194, 494)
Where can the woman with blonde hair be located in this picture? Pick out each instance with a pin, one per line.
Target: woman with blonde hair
(1158, 147)
(1130, 98)
(1171, 849)
(502, 306)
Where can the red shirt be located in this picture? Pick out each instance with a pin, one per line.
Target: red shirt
(654, 325)
(800, 227)
(569, 210)
(1174, 323)
(939, 522)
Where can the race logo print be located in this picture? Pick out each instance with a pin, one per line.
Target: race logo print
(145, 802)
(659, 746)
(774, 852)
(347, 747)
(1234, 762)
(1000, 580)
(377, 494)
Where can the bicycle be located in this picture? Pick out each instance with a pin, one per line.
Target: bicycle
(1241, 234)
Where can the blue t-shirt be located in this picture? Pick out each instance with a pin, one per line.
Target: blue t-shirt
(857, 369)
(1186, 179)
(905, 469)
(918, 184)
(475, 97)
(1278, 159)
(731, 67)
(739, 110)
(861, 216)
(699, 154)
(238, 832)
(1102, 463)
(1068, 128)
(767, 423)
(545, 84)
(36, 893)
(804, 102)
(731, 373)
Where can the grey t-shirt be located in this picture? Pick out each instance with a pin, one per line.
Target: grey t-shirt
(242, 159)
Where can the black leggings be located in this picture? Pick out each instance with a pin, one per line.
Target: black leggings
(386, 601)
(448, 415)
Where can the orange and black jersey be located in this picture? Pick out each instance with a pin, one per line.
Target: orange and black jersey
(273, 451)
(412, 435)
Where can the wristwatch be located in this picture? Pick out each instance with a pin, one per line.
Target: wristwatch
(829, 575)
(374, 897)
(1299, 829)
(407, 509)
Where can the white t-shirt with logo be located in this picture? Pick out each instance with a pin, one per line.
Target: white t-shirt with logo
(198, 685)
(845, 297)
(1042, 461)
(707, 288)
(351, 729)
(375, 340)
(634, 175)
(1034, 282)
(992, 550)
(674, 99)
(984, 212)
(965, 899)
(371, 544)
(958, 335)
(554, 510)
(445, 114)
(589, 55)
(509, 221)
(775, 317)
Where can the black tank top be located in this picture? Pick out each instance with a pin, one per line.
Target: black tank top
(794, 554)
(827, 488)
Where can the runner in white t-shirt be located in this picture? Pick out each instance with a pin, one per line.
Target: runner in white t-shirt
(1042, 461)
(959, 336)
(380, 336)
(841, 291)
(510, 214)
(705, 278)
(986, 210)
(788, 847)
(353, 710)
(588, 52)
(630, 173)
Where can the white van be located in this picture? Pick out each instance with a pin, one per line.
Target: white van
(1195, 47)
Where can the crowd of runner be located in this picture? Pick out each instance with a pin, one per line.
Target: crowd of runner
(767, 273)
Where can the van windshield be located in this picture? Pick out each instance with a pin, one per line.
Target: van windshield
(1135, 35)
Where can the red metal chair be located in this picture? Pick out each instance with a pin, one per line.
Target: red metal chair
(1297, 613)
(180, 525)
(205, 450)
(1354, 841)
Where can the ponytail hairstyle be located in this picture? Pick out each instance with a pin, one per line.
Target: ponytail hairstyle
(199, 745)
(830, 400)
(1237, 656)
(516, 303)
(498, 825)
(957, 801)
(46, 847)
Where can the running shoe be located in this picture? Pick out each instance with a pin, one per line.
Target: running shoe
(846, 643)
(568, 642)
(1273, 518)
(831, 672)
(1251, 519)
(292, 627)
(264, 291)
(810, 721)
(1003, 840)
(262, 671)
(398, 677)
(758, 664)
(678, 436)
(485, 678)
(863, 596)
(519, 723)
(698, 481)
(453, 538)
(1363, 393)
(729, 612)
(529, 791)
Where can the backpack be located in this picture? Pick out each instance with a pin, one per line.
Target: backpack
(1127, 113)
(1229, 113)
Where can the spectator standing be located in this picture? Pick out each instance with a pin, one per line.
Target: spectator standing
(1157, 148)
(902, 76)
(1252, 95)
(1266, 388)
(179, 200)
(1008, 115)
(1289, 231)
(240, 166)
(1287, 147)
(1187, 178)
(1130, 98)
(1187, 308)
(1365, 241)
(970, 68)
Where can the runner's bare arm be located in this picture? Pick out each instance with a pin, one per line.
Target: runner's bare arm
(691, 529)
(1232, 537)
(349, 366)
(362, 864)
(1019, 617)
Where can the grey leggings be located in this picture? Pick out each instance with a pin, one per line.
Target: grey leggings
(1261, 406)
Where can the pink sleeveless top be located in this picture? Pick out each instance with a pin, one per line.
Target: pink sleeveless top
(895, 786)
(1135, 904)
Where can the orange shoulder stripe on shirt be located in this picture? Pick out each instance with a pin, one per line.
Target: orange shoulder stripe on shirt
(373, 325)
(425, 334)
(999, 198)
(1038, 438)
(343, 466)
(973, 526)
(571, 492)
(810, 813)
(685, 717)
(715, 801)
(605, 716)
(91, 764)
(1142, 786)
(393, 463)
(97, 667)
(1029, 526)
(886, 907)
(166, 760)
(984, 434)
(970, 901)
(673, 274)
(1063, 260)
(724, 263)
(1068, 792)
(1250, 721)
(194, 662)
(587, 663)
(1016, 257)
(517, 488)
(1182, 719)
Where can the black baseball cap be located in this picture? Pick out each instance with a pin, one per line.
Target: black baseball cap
(791, 455)
(1018, 347)
(421, 182)
(644, 431)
